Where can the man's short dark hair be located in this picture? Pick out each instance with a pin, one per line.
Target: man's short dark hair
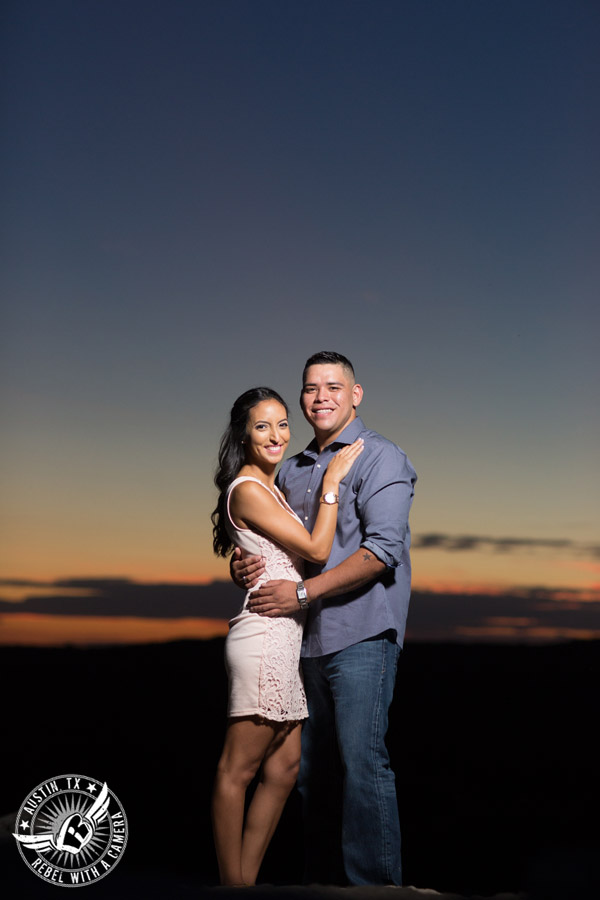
(325, 357)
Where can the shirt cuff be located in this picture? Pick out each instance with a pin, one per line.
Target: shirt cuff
(381, 555)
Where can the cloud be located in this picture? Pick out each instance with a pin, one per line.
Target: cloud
(124, 597)
(453, 543)
(518, 614)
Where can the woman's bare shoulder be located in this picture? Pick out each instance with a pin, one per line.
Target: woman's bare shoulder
(251, 488)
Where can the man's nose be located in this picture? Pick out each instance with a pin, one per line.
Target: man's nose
(322, 394)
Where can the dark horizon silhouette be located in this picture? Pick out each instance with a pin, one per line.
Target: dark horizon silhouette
(528, 614)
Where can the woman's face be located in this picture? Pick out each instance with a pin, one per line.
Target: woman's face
(267, 433)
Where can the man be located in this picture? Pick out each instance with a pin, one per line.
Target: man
(357, 604)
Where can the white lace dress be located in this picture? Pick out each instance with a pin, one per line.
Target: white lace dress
(262, 654)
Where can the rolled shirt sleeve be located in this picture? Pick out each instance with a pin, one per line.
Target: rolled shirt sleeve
(383, 502)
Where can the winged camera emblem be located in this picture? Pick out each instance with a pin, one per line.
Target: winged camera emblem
(75, 832)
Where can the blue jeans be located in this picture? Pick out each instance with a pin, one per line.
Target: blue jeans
(351, 824)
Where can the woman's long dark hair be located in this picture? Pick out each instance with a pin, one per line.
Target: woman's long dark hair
(232, 458)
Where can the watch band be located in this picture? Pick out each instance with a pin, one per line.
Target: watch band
(301, 595)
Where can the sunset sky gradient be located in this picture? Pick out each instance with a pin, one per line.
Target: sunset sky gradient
(199, 195)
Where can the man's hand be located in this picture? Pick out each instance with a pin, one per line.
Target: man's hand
(275, 598)
(246, 572)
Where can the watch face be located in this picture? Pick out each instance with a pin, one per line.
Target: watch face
(330, 498)
(301, 595)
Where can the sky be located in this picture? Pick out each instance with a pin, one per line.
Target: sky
(199, 195)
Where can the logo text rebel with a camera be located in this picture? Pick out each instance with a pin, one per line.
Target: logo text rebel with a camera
(71, 830)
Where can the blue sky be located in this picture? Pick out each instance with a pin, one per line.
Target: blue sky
(199, 195)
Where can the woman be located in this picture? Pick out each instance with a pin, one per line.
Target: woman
(262, 655)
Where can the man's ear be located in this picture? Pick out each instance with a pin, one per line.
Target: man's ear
(357, 395)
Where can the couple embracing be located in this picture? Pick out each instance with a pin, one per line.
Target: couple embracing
(323, 551)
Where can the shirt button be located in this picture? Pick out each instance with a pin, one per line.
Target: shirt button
(318, 465)
(306, 518)
(308, 491)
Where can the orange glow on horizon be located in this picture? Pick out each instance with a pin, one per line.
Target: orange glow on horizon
(35, 629)
(450, 586)
(545, 633)
(39, 630)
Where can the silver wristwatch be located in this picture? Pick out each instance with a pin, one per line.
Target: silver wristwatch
(302, 595)
(330, 498)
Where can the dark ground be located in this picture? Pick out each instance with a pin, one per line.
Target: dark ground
(494, 748)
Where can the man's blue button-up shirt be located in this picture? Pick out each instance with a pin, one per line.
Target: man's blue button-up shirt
(375, 499)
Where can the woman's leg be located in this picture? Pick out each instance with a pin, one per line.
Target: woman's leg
(247, 741)
(279, 772)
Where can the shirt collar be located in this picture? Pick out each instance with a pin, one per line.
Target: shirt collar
(347, 436)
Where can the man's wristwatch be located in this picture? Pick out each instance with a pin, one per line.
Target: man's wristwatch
(330, 498)
(302, 595)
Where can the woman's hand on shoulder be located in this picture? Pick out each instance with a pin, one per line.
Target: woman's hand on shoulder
(343, 461)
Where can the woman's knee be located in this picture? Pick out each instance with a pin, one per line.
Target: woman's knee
(282, 771)
(237, 772)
